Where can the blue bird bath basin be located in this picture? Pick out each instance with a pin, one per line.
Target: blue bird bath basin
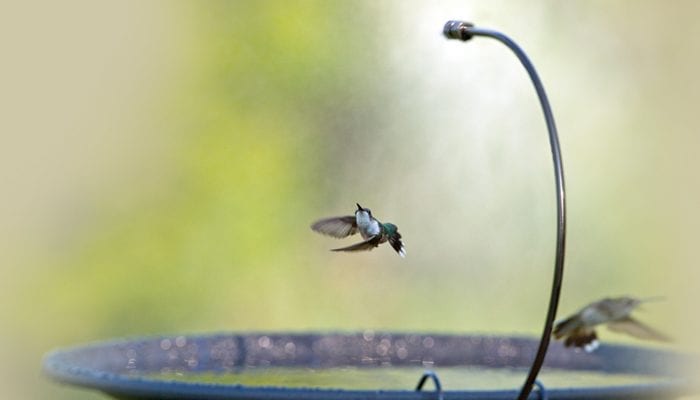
(368, 365)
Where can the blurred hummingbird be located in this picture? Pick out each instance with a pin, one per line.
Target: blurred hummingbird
(578, 329)
(372, 231)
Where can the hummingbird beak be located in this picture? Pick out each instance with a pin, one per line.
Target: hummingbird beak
(651, 299)
(648, 300)
(359, 207)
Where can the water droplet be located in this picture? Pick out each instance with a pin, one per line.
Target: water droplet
(290, 348)
(165, 344)
(180, 341)
(402, 353)
(264, 342)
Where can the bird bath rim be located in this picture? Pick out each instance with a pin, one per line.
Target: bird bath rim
(120, 367)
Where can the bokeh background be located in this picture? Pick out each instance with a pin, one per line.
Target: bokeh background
(160, 164)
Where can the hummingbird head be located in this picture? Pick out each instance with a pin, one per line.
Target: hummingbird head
(359, 208)
(630, 303)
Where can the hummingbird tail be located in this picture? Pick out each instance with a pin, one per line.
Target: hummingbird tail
(583, 338)
(576, 334)
(397, 244)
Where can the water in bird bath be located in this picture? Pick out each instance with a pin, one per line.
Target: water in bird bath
(405, 378)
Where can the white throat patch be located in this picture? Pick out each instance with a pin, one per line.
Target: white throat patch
(366, 224)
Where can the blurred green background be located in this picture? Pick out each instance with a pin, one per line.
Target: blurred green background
(160, 164)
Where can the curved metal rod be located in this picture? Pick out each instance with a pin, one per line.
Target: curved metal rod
(541, 391)
(465, 31)
(432, 375)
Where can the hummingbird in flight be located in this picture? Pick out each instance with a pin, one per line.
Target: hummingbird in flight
(372, 231)
(578, 330)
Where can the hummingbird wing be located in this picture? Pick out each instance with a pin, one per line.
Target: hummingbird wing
(637, 329)
(338, 227)
(368, 244)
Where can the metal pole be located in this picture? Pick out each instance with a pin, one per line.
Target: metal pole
(465, 31)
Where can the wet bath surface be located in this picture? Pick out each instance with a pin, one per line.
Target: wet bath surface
(387, 378)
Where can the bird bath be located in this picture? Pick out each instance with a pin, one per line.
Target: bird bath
(365, 365)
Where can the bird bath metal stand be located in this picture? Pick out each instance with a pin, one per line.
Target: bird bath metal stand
(147, 368)
(465, 31)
